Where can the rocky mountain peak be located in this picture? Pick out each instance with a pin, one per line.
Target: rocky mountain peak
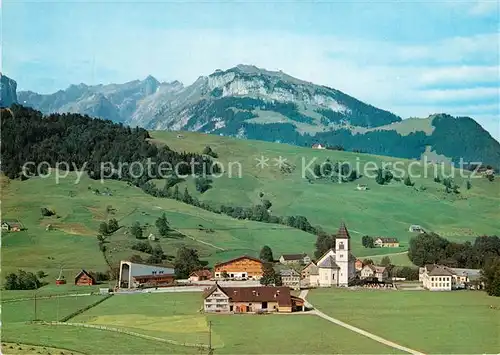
(8, 88)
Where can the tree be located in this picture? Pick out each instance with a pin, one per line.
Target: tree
(136, 230)
(136, 259)
(324, 242)
(437, 179)
(490, 275)
(468, 184)
(46, 212)
(22, 281)
(408, 181)
(267, 204)
(113, 225)
(380, 177)
(266, 254)
(208, 151)
(176, 195)
(162, 225)
(144, 247)
(157, 255)
(367, 241)
(103, 228)
(186, 198)
(490, 177)
(386, 261)
(186, 262)
(367, 262)
(202, 184)
(41, 274)
(269, 276)
(427, 248)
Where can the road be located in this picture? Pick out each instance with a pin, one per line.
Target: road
(315, 311)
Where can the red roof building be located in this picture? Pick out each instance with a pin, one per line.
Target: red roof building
(84, 279)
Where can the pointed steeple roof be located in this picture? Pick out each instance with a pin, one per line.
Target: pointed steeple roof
(343, 233)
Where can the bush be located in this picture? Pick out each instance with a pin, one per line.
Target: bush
(46, 212)
(23, 281)
(144, 247)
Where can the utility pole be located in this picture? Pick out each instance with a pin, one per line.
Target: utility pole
(210, 350)
(35, 306)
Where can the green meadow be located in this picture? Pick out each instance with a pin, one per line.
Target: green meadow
(459, 322)
(387, 210)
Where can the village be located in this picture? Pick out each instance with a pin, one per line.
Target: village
(235, 286)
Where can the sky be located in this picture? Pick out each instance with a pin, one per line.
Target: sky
(414, 58)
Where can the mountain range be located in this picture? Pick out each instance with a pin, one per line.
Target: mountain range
(254, 103)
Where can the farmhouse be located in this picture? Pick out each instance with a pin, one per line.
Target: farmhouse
(219, 299)
(290, 278)
(336, 267)
(381, 242)
(310, 275)
(134, 275)
(372, 271)
(243, 267)
(84, 279)
(12, 226)
(295, 259)
(200, 275)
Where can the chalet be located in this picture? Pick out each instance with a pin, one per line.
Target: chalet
(381, 242)
(358, 265)
(361, 187)
(290, 278)
(84, 279)
(134, 275)
(200, 275)
(310, 275)
(318, 146)
(302, 259)
(12, 226)
(219, 299)
(243, 267)
(374, 272)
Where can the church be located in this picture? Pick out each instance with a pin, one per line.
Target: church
(336, 266)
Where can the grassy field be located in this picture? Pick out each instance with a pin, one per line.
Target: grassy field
(25, 349)
(175, 316)
(380, 211)
(458, 322)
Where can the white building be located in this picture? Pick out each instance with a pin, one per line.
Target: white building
(336, 267)
(437, 278)
(310, 275)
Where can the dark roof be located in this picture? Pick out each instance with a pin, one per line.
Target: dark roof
(255, 294)
(375, 268)
(203, 272)
(387, 240)
(83, 272)
(238, 258)
(343, 232)
(293, 256)
(289, 272)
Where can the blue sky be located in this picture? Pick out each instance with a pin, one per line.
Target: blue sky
(414, 58)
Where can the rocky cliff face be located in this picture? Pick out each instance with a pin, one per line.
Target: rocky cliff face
(7, 91)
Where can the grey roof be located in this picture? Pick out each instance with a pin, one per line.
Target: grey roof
(143, 269)
(329, 263)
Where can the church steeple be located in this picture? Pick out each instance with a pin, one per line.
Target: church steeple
(343, 233)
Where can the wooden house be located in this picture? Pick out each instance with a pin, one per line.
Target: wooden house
(200, 275)
(374, 272)
(84, 279)
(290, 278)
(259, 299)
(243, 267)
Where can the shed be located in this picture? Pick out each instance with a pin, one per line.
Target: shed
(84, 279)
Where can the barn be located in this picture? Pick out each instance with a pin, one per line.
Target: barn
(84, 279)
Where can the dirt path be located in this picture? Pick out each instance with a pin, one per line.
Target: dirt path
(315, 311)
(375, 256)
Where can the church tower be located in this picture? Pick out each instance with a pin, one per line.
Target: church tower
(342, 253)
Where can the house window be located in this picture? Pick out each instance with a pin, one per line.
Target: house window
(341, 246)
